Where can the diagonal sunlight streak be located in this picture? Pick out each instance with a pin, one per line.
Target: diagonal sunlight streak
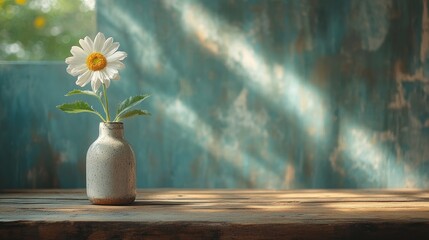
(369, 153)
(205, 138)
(284, 90)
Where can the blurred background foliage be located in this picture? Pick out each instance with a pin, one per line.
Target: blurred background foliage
(43, 29)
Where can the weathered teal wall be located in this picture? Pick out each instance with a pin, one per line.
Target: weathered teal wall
(40, 146)
(245, 94)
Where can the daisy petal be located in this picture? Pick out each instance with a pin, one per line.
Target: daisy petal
(116, 76)
(107, 82)
(86, 47)
(111, 72)
(107, 45)
(101, 76)
(119, 55)
(112, 49)
(69, 60)
(116, 65)
(106, 79)
(83, 79)
(99, 42)
(95, 85)
(75, 60)
(90, 43)
(69, 69)
(78, 70)
(105, 75)
(95, 76)
(78, 52)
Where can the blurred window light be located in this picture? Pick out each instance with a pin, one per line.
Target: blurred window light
(43, 30)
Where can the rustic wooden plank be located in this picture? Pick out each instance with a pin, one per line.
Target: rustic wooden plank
(251, 214)
(202, 230)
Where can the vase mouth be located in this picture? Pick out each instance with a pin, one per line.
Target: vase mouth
(112, 125)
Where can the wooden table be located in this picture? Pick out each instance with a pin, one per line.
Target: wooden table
(218, 214)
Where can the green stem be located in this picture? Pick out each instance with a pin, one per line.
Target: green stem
(107, 103)
(102, 104)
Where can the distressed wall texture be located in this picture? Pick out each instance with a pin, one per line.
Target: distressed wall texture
(245, 94)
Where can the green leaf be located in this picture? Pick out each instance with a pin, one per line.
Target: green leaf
(79, 92)
(132, 113)
(129, 103)
(78, 107)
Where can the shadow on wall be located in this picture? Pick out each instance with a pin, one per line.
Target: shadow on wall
(285, 94)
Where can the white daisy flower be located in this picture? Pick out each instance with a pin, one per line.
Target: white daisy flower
(96, 61)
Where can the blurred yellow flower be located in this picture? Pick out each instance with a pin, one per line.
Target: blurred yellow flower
(1, 2)
(39, 22)
(21, 2)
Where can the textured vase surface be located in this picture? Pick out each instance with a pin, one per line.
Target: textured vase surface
(110, 167)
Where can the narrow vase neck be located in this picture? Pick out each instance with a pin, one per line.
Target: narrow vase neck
(112, 129)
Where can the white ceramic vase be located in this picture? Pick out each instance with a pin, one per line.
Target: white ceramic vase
(110, 167)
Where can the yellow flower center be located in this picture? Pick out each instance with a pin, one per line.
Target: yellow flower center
(96, 61)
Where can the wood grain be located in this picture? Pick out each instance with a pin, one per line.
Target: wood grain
(218, 214)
